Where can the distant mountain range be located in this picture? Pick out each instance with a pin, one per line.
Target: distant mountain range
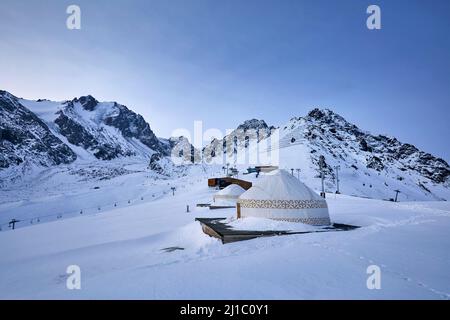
(45, 133)
(50, 133)
(368, 165)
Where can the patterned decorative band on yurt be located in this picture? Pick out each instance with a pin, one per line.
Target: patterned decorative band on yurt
(283, 204)
(310, 220)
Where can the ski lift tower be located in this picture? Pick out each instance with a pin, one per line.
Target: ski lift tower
(12, 223)
(396, 194)
(337, 168)
(322, 176)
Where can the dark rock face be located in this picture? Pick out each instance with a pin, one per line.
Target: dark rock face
(24, 137)
(405, 151)
(434, 168)
(210, 151)
(87, 102)
(260, 127)
(154, 163)
(93, 137)
(380, 151)
(77, 135)
(181, 147)
(74, 132)
(133, 125)
(365, 146)
(253, 130)
(316, 114)
(375, 163)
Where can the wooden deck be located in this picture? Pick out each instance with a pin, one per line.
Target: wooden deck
(215, 227)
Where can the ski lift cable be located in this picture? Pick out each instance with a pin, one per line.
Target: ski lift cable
(36, 220)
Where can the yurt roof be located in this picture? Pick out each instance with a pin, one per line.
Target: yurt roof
(231, 190)
(279, 185)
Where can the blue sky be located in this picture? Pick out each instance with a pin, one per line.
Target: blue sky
(222, 62)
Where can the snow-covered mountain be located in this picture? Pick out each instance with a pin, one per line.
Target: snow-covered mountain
(98, 130)
(370, 165)
(46, 133)
(247, 133)
(181, 150)
(25, 137)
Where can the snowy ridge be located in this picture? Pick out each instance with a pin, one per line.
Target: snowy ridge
(86, 131)
(41, 134)
(370, 165)
(105, 130)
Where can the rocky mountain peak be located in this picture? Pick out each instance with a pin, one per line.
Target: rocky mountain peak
(133, 125)
(107, 131)
(327, 116)
(344, 141)
(87, 102)
(253, 124)
(6, 95)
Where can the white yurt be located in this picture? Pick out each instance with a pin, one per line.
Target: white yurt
(281, 196)
(228, 196)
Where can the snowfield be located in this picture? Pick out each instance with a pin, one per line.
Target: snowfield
(120, 250)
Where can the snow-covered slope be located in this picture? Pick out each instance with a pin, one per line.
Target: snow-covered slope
(370, 165)
(38, 135)
(62, 192)
(126, 252)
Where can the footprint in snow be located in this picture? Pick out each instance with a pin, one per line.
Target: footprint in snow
(171, 249)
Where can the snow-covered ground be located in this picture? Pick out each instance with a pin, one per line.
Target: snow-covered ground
(83, 188)
(120, 249)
